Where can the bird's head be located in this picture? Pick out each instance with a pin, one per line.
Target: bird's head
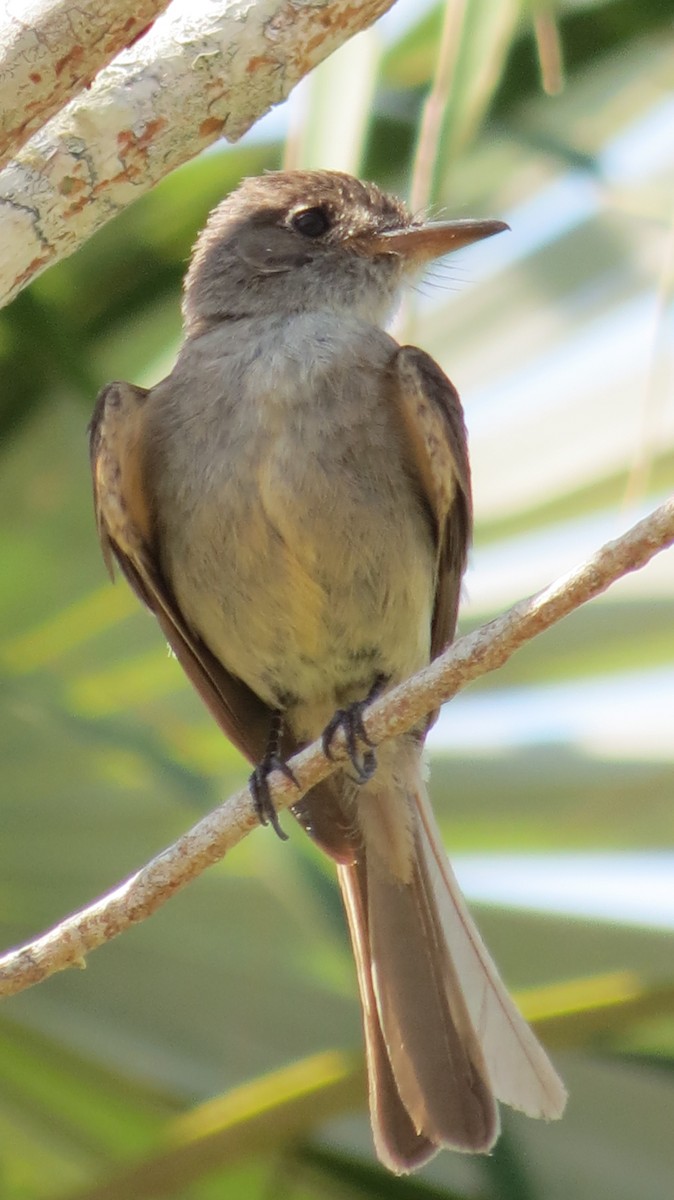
(298, 241)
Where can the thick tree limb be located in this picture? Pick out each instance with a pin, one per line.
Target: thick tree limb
(51, 49)
(206, 843)
(206, 69)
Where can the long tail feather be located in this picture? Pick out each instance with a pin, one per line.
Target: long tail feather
(444, 1039)
(399, 1145)
(520, 1071)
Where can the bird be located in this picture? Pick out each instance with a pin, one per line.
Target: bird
(293, 504)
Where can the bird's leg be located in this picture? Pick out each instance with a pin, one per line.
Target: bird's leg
(259, 780)
(350, 721)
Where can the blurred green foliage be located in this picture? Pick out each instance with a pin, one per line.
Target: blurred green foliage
(242, 989)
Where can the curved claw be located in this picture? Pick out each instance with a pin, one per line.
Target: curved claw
(259, 786)
(350, 721)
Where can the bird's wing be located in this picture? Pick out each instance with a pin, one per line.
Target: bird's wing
(435, 436)
(126, 530)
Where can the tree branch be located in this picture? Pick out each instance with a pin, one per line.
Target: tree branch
(52, 49)
(206, 843)
(206, 69)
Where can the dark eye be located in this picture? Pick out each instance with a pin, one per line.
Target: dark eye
(311, 222)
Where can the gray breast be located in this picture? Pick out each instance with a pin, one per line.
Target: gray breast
(290, 529)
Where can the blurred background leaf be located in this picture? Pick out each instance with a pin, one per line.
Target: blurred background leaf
(547, 777)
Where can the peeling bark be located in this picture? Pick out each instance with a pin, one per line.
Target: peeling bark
(206, 69)
(51, 49)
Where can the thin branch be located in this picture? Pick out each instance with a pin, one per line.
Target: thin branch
(208, 841)
(53, 50)
(205, 70)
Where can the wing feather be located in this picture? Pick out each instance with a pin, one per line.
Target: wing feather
(126, 530)
(435, 433)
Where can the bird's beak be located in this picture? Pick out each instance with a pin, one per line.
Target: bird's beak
(421, 243)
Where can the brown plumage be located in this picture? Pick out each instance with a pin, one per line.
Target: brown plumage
(293, 503)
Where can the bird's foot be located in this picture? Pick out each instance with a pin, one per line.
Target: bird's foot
(259, 786)
(358, 745)
(259, 780)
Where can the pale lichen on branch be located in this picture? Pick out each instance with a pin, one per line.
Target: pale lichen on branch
(202, 71)
(51, 49)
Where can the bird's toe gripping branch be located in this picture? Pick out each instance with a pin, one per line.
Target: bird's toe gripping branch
(259, 780)
(358, 745)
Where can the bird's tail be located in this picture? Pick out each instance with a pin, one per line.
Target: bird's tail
(444, 1039)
